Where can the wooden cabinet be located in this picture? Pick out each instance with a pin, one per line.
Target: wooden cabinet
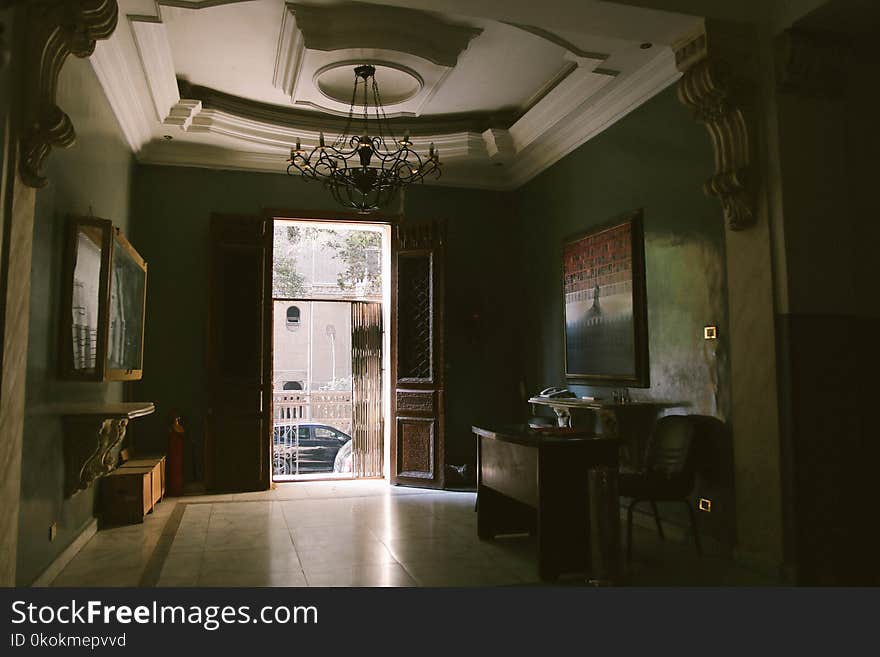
(131, 491)
(157, 474)
(127, 495)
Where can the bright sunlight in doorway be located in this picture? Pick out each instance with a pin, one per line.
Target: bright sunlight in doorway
(330, 297)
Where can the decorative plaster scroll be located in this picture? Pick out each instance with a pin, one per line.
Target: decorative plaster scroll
(812, 64)
(357, 25)
(721, 100)
(55, 29)
(84, 459)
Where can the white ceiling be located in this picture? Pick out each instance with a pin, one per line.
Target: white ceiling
(501, 101)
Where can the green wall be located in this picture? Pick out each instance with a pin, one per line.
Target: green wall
(171, 211)
(93, 174)
(655, 159)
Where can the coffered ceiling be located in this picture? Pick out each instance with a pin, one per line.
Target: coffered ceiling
(233, 84)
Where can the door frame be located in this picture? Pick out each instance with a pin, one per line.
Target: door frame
(388, 221)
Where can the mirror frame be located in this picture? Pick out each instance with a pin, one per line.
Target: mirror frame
(110, 234)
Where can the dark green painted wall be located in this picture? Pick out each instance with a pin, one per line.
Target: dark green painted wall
(95, 173)
(654, 159)
(172, 207)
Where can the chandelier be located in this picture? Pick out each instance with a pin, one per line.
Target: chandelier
(361, 171)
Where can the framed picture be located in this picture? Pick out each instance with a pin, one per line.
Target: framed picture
(606, 315)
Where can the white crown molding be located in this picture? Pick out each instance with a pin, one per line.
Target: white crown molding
(291, 49)
(499, 145)
(109, 64)
(585, 101)
(154, 50)
(183, 113)
(192, 117)
(209, 157)
(583, 82)
(593, 116)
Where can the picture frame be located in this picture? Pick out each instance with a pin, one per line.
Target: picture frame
(103, 307)
(605, 314)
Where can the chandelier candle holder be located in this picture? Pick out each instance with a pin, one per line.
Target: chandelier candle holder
(361, 171)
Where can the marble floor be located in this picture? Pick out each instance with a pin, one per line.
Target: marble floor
(349, 533)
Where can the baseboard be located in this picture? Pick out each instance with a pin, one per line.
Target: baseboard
(60, 562)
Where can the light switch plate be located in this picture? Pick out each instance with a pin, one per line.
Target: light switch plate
(710, 332)
(705, 505)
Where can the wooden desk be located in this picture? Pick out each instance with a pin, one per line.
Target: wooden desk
(560, 486)
(630, 422)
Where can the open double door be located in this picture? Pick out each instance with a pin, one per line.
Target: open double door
(238, 439)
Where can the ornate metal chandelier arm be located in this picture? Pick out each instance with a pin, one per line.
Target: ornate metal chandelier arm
(340, 139)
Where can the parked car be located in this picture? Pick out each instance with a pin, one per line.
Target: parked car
(308, 448)
(342, 463)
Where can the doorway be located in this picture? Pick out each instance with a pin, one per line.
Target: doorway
(330, 300)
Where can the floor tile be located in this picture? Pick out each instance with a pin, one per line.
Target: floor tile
(370, 575)
(351, 533)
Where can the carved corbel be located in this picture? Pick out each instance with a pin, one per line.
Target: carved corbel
(721, 98)
(89, 445)
(53, 30)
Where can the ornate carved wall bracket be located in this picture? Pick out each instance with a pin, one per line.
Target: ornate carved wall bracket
(721, 99)
(54, 29)
(92, 432)
(85, 459)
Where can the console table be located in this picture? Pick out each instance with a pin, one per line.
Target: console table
(92, 430)
(630, 422)
(559, 484)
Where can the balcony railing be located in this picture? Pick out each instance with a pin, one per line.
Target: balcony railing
(293, 408)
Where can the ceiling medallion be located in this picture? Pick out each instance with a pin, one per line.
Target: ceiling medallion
(364, 172)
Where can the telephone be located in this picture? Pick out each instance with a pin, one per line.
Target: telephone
(556, 392)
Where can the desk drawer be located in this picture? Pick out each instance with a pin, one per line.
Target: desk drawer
(510, 469)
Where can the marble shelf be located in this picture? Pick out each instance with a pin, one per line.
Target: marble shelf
(92, 430)
(128, 410)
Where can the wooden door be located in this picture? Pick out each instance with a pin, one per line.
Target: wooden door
(239, 419)
(418, 398)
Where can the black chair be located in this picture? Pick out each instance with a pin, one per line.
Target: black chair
(669, 475)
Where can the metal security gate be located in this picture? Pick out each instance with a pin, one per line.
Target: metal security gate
(366, 360)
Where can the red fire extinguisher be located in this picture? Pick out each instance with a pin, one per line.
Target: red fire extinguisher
(174, 467)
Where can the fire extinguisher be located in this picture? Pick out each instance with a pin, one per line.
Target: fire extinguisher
(174, 467)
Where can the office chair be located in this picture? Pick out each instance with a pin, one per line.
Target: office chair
(669, 474)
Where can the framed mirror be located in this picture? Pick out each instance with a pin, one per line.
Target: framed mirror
(103, 307)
